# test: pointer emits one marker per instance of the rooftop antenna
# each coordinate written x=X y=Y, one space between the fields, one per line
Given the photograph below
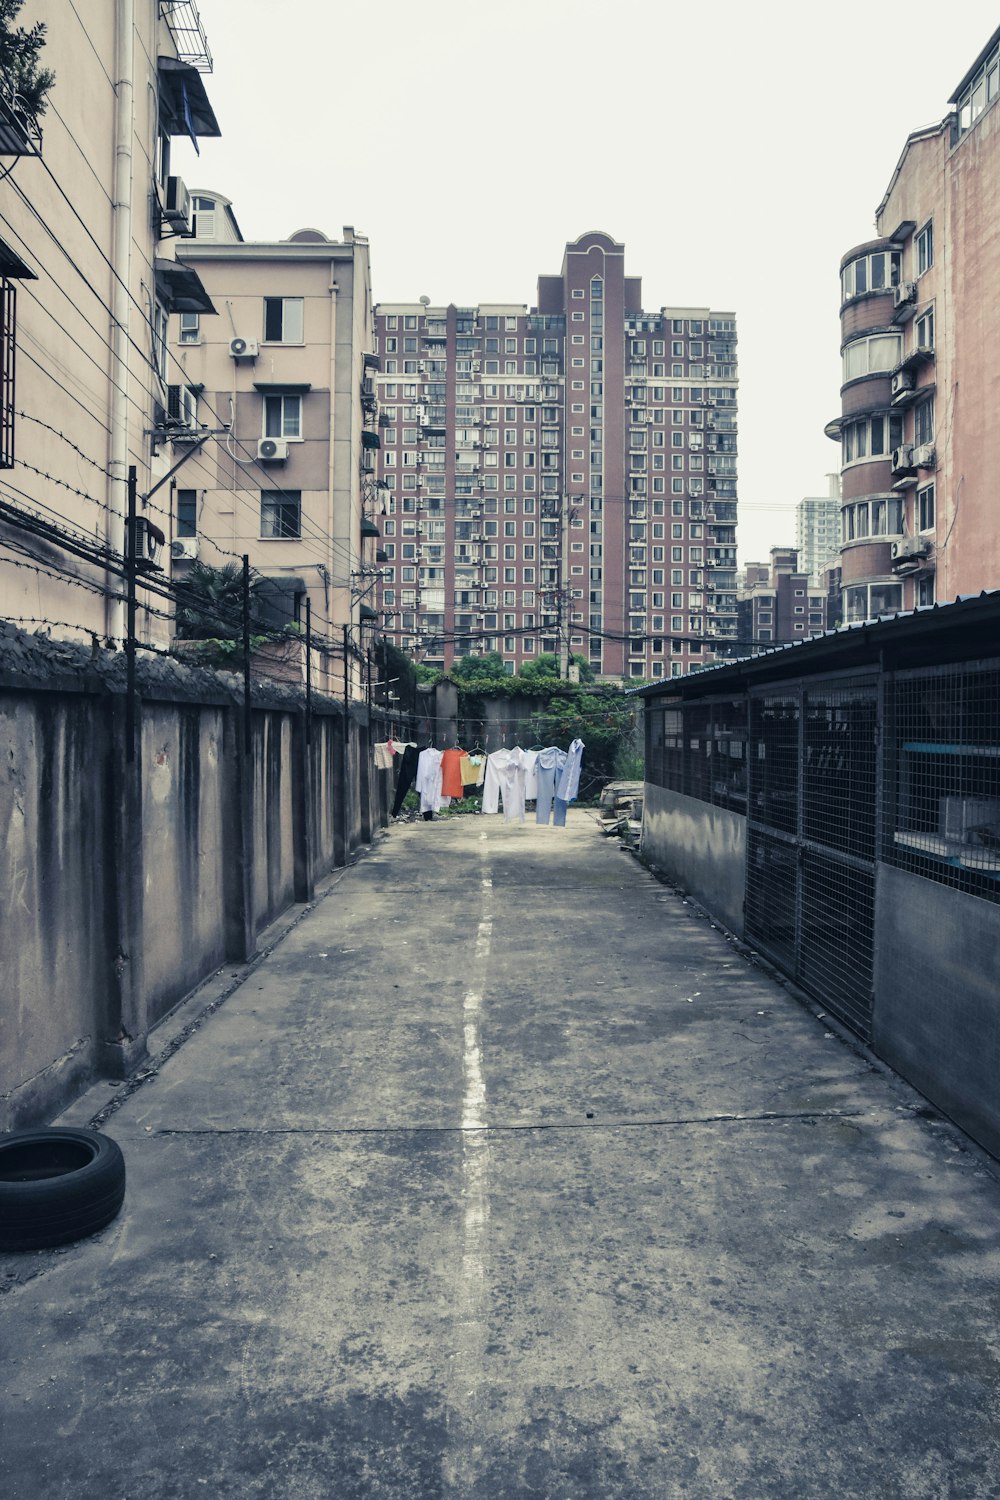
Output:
x=425 y=302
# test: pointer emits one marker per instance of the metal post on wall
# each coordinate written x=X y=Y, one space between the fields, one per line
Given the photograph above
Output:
x=247 y=740
x=308 y=670
x=347 y=670
x=345 y=743
x=130 y=571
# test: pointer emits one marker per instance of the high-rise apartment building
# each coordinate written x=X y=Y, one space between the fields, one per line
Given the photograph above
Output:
x=817 y=530
x=920 y=324
x=561 y=479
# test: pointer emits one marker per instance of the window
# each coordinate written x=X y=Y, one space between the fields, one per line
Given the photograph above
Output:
x=923 y=422
x=870 y=273
x=925 y=508
x=187 y=513
x=869 y=356
x=283 y=323
x=160 y=325
x=923 y=330
x=925 y=248
x=204 y=218
x=283 y=416
x=280 y=514
x=871 y=436
x=980 y=91
x=190 y=328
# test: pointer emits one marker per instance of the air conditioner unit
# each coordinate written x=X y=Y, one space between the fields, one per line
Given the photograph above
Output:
x=902 y=459
x=244 y=348
x=902 y=381
x=147 y=539
x=184 y=548
x=910 y=549
x=272 y=450
x=924 y=456
x=905 y=292
x=182 y=410
x=177 y=206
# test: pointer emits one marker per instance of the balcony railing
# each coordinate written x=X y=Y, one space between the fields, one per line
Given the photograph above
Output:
x=187 y=33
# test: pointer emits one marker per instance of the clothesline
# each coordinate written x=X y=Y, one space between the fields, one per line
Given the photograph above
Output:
x=541 y=713
x=547 y=776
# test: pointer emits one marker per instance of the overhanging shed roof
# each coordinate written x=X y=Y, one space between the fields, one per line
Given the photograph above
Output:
x=180 y=287
x=184 y=104
x=935 y=634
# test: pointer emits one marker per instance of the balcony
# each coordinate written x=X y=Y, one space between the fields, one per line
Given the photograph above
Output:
x=187 y=33
x=20 y=133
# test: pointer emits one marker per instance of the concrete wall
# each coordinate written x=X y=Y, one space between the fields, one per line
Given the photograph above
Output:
x=124 y=884
x=183 y=844
x=701 y=847
x=56 y=933
x=273 y=863
x=937 y=987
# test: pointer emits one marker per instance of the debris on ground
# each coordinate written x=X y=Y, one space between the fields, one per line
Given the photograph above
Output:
x=620 y=811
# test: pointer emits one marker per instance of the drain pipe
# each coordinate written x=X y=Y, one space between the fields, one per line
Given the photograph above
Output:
x=121 y=263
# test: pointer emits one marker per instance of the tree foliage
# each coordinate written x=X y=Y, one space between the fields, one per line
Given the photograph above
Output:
x=212 y=607
x=547 y=665
x=24 y=82
x=478 y=668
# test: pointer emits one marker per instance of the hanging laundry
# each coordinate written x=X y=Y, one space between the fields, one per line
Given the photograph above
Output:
x=511 y=776
x=383 y=755
x=407 y=776
x=428 y=782
x=549 y=765
x=472 y=769
x=569 y=782
x=452 y=779
x=530 y=775
x=504 y=779
x=495 y=762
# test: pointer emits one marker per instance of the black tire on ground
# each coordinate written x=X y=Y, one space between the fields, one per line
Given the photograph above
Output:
x=57 y=1183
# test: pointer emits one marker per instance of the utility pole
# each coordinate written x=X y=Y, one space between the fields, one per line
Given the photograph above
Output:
x=308 y=670
x=247 y=740
x=564 y=595
x=130 y=611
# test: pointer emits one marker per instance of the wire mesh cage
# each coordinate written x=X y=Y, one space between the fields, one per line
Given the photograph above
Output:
x=941 y=794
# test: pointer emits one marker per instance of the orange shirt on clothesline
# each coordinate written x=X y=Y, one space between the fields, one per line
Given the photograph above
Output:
x=451 y=772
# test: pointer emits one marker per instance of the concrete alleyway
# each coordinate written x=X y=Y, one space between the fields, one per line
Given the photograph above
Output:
x=505 y=1176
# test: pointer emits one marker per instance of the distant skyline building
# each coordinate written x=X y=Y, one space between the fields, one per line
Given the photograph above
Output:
x=561 y=479
x=778 y=603
x=817 y=530
x=920 y=326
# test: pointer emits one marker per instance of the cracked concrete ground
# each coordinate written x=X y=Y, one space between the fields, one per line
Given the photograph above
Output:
x=506 y=1175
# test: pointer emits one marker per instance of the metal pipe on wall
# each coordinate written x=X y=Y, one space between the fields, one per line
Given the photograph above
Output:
x=121 y=264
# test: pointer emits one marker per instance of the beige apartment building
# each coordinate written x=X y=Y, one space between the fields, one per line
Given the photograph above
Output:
x=920 y=321
x=286 y=369
x=91 y=217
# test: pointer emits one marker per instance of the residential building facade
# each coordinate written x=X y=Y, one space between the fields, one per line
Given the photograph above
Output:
x=561 y=479
x=284 y=376
x=779 y=602
x=91 y=220
x=920 y=319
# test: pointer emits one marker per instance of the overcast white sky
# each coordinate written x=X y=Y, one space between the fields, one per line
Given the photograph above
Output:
x=736 y=149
